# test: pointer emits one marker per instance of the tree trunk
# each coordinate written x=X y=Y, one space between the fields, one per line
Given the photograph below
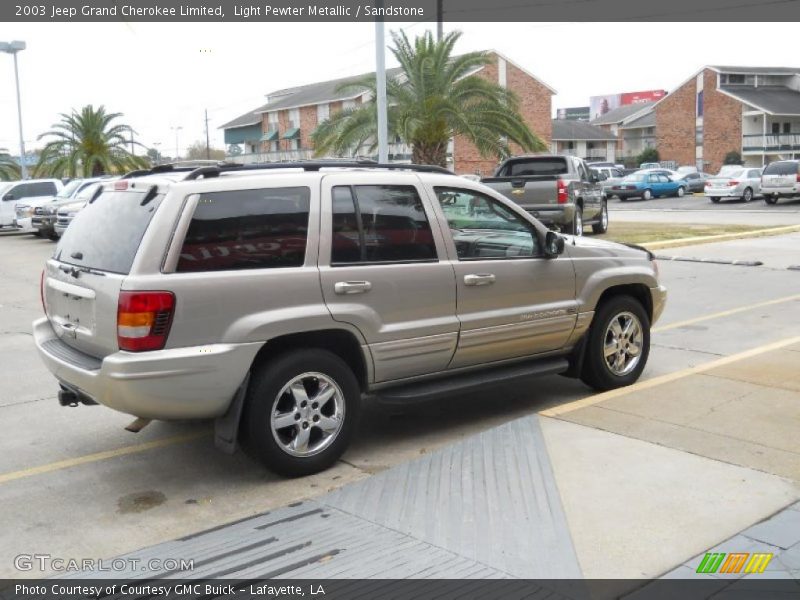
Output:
x=427 y=153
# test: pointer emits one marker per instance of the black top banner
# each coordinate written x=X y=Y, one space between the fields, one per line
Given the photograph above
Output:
x=399 y=10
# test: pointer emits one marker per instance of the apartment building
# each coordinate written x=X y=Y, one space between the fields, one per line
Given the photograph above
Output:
x=578 y=138
x=281 y=129
x=630 y=126
x=754 y=111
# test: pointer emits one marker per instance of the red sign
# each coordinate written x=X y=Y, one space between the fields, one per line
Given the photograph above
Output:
x=639 y=97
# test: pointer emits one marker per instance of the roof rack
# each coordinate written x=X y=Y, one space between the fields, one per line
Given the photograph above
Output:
x=214 y=170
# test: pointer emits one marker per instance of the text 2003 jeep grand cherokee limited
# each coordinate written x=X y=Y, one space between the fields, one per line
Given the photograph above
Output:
x=273 y=300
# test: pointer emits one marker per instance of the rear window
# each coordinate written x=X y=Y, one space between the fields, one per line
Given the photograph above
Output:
x=534 y=166
x=782 y=168
x=106 y=234
x=247 y=229
x=635 y=177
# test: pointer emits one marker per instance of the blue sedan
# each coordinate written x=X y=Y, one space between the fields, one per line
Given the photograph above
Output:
x=646 y=186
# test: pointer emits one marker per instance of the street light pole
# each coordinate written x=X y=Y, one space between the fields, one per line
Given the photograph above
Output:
x=176 y=129
x=13 y=48
x=380 y=81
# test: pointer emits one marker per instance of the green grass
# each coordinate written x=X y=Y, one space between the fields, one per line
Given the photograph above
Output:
x=642 y=233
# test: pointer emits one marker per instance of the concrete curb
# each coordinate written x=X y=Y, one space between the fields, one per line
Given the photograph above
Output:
x=721 y=237
x=715 y=261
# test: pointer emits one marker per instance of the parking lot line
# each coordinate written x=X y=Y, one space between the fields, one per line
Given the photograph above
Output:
x=98 y=456
x=668 y=378
x=725 y=313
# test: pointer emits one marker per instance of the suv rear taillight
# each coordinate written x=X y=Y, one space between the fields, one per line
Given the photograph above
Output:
x=563 y=194
x=143 y=320
x=41 y=291
x=798 y=178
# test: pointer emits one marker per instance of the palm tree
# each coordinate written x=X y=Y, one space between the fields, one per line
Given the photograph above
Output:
x=87 y=144
x=9 y=169
x=433 y=99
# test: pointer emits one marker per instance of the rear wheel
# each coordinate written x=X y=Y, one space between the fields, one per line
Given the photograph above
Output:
x=747 y=196
x=681 y=192
x=715 y=199
x=618 y=344
x=602 y=226
x=576 y=227
x=300 y=412
x=647 y=195
x=771 y=199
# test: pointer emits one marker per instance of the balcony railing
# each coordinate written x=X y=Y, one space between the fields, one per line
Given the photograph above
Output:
x=280 y=156
x=771 y=142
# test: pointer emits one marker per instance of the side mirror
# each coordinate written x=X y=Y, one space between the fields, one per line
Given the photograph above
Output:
x=553 y=244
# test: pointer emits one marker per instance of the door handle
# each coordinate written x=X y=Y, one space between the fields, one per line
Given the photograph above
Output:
x=352 y=287
x=479 y=279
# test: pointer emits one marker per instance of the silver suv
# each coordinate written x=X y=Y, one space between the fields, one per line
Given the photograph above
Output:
x=274 y=299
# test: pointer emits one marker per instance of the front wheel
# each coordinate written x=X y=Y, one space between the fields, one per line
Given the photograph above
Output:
x=715 y=199
x=602 y=226
x=647 y=195
x=681 y=192
x=618 y=344
x=771 y=199
x=300 y=412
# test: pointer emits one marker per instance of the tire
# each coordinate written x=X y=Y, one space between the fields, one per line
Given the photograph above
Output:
x=681 y=191
x=597 y=372
x=602 y=226
x=771 y=199
x=576 y=227
x=647 y=195
x=747 y=196
x=715 y=199
x=274 y=445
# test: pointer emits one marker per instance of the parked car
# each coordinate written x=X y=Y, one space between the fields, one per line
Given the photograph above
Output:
x=274 y=300
x=22 y=193
x=726 y=170
x=687 y=169
x=44 y=211
x=596 y=164
x=647 y=185
x=744 y=184
x=694 y=181
x=609 y=177
x=557 y=190
x=67 y=210
x=781 y=179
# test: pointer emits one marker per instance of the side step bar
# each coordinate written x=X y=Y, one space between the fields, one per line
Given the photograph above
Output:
x=469 y=382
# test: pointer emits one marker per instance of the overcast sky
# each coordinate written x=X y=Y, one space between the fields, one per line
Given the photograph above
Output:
x=164 y=75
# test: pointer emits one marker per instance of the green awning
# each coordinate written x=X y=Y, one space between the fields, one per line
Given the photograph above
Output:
x=292 y=133
x=270 y=136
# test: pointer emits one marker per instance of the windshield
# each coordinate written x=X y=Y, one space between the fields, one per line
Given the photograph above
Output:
x=69 y=189
x=105 y=235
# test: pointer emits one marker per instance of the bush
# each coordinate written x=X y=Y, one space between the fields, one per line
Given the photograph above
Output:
x=648 y=155
x=733 y=158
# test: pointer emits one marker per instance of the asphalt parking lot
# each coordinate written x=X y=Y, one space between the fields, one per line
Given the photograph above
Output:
x=74 y=483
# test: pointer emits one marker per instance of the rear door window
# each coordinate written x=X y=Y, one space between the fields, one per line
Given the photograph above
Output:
x=247 y=229
x=105 y=235
x=380 y=223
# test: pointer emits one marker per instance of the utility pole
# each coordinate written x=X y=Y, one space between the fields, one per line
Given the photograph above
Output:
x=13 y=48
x=439 y=20
x=133 y=147
x=208 y=146
x=380 y=81
x=176 y=130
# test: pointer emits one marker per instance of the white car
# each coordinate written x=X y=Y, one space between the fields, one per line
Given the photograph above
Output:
x=67 y=211
x=23 y=192
x=739 y=184
x=42 y=213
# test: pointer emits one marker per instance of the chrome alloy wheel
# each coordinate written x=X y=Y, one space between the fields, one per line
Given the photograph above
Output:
x=307 y=414
x=623 y=343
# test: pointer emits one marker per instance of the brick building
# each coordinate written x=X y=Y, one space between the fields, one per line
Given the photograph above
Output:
x=628 y=123
x=754 y=111
x=578 y=138
x=281 y=129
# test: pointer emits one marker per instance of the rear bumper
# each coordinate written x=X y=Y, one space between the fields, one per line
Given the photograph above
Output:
x=180 y=383
x=23 y=223
x=784 y=192
x=622 y=194
x=723 y=193
x=556 y=214
x=659 y=295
